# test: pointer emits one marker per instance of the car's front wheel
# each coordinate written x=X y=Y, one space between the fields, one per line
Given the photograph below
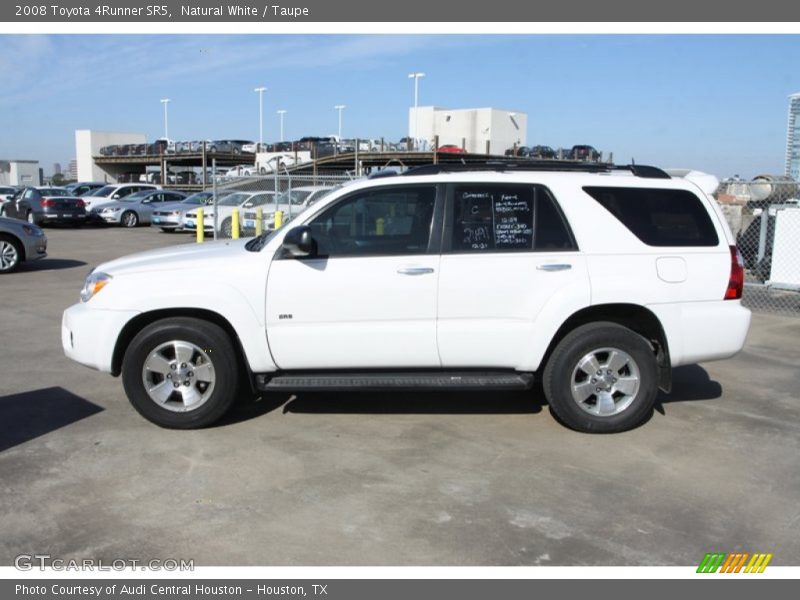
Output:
x=10 y=254
x=181 y=373
x=602 y=378
x=129 y=219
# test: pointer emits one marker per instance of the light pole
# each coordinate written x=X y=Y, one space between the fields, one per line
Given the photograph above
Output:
x=281 y=112
x=260 y=91
x=165 y=101
x=340 y=108
x=416 y=77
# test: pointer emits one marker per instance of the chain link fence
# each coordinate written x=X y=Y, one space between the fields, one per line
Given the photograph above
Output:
x=288 y=193
x=764 y=215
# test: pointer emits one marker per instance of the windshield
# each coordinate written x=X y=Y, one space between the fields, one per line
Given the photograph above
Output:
x=136 y=196
x=260 y=199
x=257 y=243
x=104 y=191
x=296 y=197
x=55 y=192
x=235 y=199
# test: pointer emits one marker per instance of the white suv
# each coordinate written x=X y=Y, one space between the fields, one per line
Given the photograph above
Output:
x=596 y=280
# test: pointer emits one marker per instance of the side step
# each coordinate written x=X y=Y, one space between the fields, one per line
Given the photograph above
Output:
x=374 y=381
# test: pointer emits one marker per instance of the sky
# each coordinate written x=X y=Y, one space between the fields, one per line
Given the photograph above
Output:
x=716 y=103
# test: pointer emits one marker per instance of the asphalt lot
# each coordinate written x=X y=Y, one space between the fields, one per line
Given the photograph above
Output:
x=383 y=479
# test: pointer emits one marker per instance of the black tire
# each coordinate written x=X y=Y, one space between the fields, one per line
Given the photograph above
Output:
x=129 y=219
x=11 y=254
x=168 y=230
x=219 y=351
x=562 y=370
x=226 y=229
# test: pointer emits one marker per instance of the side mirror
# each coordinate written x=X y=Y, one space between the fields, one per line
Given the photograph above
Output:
x=115 y=197
x=298 y=242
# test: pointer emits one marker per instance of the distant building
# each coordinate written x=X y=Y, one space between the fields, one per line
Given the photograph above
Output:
x=56 y=168
x=72 y=172
x=472 y=127
x=20 y=172
x=87 y=146
x=793 y=138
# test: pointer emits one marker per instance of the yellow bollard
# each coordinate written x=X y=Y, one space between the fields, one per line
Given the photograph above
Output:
x=379 y=225
x=201 y=231
x=259 y=219
x=235 y=224
x=278 y=219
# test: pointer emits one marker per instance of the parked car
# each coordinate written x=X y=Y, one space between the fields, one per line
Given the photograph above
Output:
x=451 y=149
x=115 y=192
x=111 y=150
x=241 y=171
x=594 y=285
x=82 y=188
x=161 y=146
x=227 y=146
x=169 y=217
x=130 y=177
x=135 y=209
x=20 y=241
x=6 y=193
x=518 y=151
x=225 y=206
x=584 y=153
x=45 y=204
x=290 y=203
x=544 y=152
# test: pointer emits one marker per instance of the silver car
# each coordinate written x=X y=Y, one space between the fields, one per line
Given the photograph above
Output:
x=136 y=208
x=169 y=217
x=20 y=241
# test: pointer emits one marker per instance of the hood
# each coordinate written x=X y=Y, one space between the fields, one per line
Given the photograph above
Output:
x=184 y=256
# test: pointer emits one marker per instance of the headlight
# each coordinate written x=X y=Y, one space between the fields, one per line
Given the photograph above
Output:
x=34 y=231
x=93 y=284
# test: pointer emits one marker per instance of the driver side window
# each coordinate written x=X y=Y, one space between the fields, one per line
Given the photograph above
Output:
x=379 y=222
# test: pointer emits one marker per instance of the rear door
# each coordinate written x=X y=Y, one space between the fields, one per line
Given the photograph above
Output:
x=368 y=298
x=508 y=252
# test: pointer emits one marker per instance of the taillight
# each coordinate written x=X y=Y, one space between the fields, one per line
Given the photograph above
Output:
x=48 y=202
x=80 y=204
x=736 y=281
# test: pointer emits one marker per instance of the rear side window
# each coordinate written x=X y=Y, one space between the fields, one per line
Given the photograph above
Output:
x=506 y=218
x=659 y=217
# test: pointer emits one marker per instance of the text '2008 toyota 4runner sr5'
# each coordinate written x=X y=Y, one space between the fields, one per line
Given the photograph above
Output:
x=596 y=279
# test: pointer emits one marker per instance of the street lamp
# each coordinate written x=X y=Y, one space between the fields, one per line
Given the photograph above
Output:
x=260 y=91
x=281 y=113
x=416 y=77
x=340 y=108
x=165 y=101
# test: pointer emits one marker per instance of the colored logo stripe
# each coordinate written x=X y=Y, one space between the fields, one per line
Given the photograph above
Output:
x=733 y=563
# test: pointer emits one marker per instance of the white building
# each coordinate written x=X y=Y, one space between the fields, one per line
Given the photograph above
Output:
x=20 y=172
x=88 y=144
x=471 y=127
x=793 y=138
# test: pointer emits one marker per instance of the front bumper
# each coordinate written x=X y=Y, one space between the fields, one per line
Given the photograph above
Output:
x=35 y=247
x=89 y=335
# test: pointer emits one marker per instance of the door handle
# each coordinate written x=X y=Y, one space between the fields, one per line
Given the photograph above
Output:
x=554 y=267
x=414 y=270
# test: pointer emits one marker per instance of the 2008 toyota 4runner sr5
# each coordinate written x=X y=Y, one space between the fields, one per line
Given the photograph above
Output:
x=596 y=279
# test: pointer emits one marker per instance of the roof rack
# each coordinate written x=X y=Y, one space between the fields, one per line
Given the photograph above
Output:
x=538 y=165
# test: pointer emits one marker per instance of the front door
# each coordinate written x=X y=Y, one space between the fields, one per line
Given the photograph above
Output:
x=368 y=297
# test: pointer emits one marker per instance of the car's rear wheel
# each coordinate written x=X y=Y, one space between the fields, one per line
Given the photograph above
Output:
x=181 y=373
x=10 y=254
x=602 y=378
x=129 y=219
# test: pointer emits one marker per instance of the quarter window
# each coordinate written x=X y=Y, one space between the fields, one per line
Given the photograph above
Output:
x=659 y=217
x=381 y=222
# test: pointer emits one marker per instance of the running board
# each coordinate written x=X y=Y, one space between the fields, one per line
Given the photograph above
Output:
x=374 y=381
